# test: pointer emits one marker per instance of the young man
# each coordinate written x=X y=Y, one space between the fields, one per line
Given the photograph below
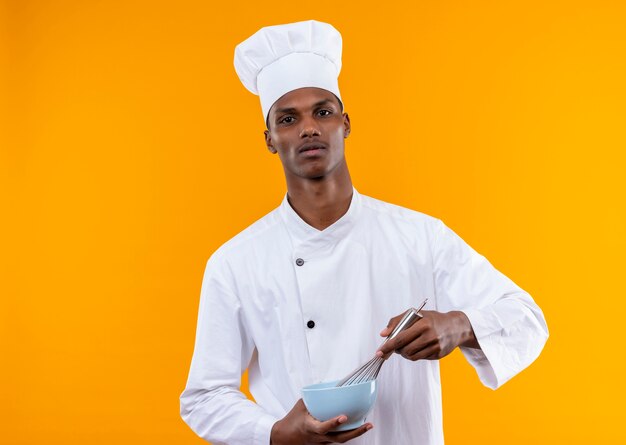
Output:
x=299 y=296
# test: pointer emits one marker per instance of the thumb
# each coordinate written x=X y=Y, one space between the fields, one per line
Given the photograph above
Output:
x=300 y=406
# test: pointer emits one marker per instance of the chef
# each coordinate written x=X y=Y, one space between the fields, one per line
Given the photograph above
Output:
x=301 y=295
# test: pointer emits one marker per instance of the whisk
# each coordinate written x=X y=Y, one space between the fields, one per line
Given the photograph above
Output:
x=369 y=371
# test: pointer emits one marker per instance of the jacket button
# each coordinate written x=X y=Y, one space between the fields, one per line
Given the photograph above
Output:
x=310 y=324
x=299 y=261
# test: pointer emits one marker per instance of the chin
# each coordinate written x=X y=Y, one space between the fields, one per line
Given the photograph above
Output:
x=314 y=176
x=314 y=173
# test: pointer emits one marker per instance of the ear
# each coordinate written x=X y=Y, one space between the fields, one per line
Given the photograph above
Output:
x=346 y=125
x=268 y=142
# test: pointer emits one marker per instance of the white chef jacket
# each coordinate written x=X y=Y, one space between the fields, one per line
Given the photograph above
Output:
x=263 y=289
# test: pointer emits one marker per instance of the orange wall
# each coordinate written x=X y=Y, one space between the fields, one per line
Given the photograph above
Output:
x=130 y=151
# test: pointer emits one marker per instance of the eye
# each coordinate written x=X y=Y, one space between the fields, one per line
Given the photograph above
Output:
x=326 y=112
x=286 y=120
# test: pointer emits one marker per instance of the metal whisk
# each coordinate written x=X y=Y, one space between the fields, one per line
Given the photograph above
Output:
x=369 y=371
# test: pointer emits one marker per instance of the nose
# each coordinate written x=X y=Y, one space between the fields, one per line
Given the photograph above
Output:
x=309 y=128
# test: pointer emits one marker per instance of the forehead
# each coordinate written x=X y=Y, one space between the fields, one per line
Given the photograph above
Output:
x=303 y=98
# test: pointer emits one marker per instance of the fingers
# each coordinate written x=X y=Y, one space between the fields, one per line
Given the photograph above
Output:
x=393 y=322
x=432 y=353
x=421 y=349
x=325 y=427
x=345 y=436
x=304 y=428
x=430 y=338
x=402 y=339
x=321 y=431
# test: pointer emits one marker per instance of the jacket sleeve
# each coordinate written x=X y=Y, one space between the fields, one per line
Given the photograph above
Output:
x=510 y=328
x=211 y=403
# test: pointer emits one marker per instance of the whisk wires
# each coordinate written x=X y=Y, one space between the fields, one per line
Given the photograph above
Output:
x=369 y=371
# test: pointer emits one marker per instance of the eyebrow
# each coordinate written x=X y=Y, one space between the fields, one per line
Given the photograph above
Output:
x=315 y=105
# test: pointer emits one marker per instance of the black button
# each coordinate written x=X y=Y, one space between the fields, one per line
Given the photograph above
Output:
x=310 y=324
x=299 y=261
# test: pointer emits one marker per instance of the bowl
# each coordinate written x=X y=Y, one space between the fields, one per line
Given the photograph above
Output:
x=325 y=401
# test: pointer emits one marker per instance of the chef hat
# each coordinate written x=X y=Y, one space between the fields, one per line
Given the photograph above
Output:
x=278 y=59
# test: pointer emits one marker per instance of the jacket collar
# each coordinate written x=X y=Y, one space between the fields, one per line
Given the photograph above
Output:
x=308 y=238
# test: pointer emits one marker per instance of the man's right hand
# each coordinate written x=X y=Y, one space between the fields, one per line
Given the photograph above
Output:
x=299 y=427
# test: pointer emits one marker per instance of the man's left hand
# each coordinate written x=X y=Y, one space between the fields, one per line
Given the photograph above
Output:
x=430 y=338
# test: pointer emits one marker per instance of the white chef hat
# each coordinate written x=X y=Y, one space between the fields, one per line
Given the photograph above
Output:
x=278 y=59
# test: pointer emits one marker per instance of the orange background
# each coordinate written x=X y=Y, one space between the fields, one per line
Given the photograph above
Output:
x=129 y=152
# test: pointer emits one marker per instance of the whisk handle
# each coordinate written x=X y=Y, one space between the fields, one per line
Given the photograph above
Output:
x=369 y=371
x=410 y=317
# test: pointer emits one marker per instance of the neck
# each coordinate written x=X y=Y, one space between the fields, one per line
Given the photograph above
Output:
x=320 y=202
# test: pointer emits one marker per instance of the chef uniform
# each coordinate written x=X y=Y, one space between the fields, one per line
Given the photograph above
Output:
x=296 y=305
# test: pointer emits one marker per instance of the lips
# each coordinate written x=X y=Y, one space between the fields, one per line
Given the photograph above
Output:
x=311 y=146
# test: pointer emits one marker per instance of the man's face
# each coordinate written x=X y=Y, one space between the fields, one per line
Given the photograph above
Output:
x=307 y=130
